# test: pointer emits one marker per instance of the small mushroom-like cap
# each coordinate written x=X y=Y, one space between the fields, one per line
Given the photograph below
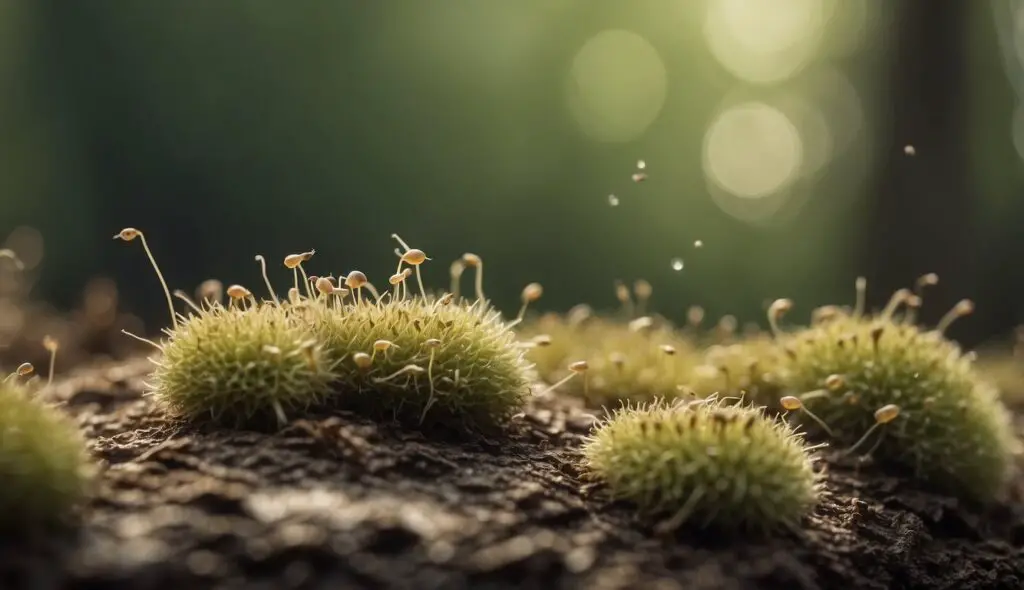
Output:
x=643 y=289
x=127 y=234
x=791 y=403
x=621 y=292
x=532 y=292
x=293 y=295
x=780 y=306
x=579 y=366
x=399 y=277
x=382 y=345
x=50 y=343
x=542 y=340
x=414 y=257
x=470 y=259
x=824 y=313
x=928 y=279
x=355 y=280
x=964 y=307
x=25 y=369
x=238 y=292
x=324 y=285
x=446 y=299
x=834 y=382
x=640 y=323
x=10 y=255
x=293 y=260
x=900 y=295
x=668 y=349
x=432 y=343
x=210 y=290
x=305 y=256
x=457 y=268
x=887 y=413
x=362 y=360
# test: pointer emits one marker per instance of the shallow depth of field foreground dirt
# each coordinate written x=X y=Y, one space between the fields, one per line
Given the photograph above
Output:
x=339 y=502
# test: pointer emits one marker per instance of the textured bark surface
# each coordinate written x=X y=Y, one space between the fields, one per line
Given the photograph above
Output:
x=340 y=502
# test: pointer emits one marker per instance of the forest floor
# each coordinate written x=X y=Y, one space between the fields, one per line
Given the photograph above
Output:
x=336 y=501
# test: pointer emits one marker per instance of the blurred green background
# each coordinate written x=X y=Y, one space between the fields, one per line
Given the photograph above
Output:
x=775 y=132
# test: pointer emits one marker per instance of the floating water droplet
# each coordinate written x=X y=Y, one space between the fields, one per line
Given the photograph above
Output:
x=698 y=244
x=613 y=200
x=641 y=164
x=909 y=150
x=639 y=177
x=677 y=264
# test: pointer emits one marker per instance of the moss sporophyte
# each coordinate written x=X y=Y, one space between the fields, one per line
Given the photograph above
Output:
x=905 y=392
x=639 y=357
x=418 y=358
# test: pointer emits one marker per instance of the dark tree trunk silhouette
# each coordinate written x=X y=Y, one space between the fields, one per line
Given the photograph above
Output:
x=922 y=215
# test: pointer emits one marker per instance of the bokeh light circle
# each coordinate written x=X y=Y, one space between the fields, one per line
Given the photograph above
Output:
x=765 y=41
x=617 y=86
x=832 y=92
x=752 y=150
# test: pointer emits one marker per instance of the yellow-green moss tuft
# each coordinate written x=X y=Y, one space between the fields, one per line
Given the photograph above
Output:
x=236 y=366
x=941 y=421
x=425 y=361
x=729 y=467
x=338 y=342
x=44 y=468
x=638 y=361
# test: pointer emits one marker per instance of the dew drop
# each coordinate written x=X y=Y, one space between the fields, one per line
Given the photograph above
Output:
x=639 y=177
x=698 y=244
x=613 y=200
x=677 y=264
x=909 y=150
x=641 y=164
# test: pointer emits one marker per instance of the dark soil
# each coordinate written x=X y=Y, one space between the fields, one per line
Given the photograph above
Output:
x=339 y=502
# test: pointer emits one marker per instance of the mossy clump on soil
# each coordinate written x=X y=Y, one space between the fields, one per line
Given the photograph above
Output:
x=419 y=359
x=750 y=367
x=725 y=466
x=645 y=357
x=233 y=365
x=425 y=360
x=639 y=360
x=903 y=393
x=45 y=471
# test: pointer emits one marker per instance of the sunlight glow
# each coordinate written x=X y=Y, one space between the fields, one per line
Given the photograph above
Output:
x=765 y=41
x=617 y=86
x=752 y=150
